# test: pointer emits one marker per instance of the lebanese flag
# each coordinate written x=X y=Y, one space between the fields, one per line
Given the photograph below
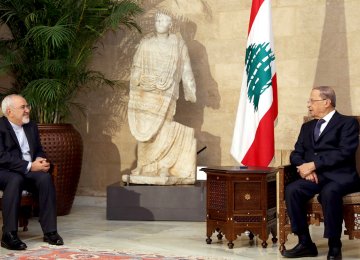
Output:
x=253 y=139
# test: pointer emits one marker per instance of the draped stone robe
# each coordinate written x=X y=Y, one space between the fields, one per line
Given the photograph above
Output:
x=165 y=148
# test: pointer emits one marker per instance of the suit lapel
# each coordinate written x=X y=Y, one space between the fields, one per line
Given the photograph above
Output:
x=11 y=131
x=29 y=138
x=333 y=121
x=312 y=128
x=27 y=130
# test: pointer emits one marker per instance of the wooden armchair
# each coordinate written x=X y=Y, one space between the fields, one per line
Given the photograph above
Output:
x=29 y=204
x=351 y=207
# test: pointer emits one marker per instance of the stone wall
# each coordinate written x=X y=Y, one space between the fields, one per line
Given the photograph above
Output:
x=317 y=42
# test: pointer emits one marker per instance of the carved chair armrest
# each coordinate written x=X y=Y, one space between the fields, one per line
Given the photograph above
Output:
x=53 y=170
x=287 y=174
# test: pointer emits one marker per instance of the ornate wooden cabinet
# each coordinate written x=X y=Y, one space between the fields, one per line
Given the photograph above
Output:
x=241 y=199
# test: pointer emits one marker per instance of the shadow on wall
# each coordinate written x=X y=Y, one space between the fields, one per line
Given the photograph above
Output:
x=104 y=118
x=207 y=94
x=187 y=113
x=333 y=64
x=106 y=114
x=114 y=57
x=125 y=42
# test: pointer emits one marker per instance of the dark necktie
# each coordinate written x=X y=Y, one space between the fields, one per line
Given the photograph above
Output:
x=317 y=129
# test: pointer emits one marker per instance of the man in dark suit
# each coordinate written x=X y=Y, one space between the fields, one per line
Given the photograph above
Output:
x=23 y=165
x=324 y=156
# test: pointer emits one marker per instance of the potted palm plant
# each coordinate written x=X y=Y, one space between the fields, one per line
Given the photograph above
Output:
x=48 y=56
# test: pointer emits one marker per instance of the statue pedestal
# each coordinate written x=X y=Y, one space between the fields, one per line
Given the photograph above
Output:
x=156 y=202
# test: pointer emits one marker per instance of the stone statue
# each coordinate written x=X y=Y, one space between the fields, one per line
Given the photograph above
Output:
x=166 y=149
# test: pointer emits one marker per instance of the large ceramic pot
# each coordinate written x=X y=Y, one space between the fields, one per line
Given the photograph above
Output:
x=63 y=146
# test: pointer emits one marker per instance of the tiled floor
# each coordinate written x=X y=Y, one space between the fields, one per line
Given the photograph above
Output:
x=87 y=227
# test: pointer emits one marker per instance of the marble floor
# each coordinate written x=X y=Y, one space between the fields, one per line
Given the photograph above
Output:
x=86 y=227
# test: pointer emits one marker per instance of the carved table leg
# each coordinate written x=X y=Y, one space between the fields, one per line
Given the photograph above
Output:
x=274 y=240
x=251 y=235
x=208 y=240
x=274 y=234
x=264 y=244
x=231 y=245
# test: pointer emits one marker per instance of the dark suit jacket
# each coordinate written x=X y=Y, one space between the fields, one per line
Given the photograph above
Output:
x=334 y=152
x=10 y=151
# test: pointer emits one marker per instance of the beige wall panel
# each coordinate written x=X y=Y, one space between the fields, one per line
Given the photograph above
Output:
x=308 y=68
x=355 y=99
x=287 y=126
x=229 y=74
x=354 y=72
x=308 y=44
x=225 y=50
x=316 y=43
x=293 y=100
x=230 y=24
x=353 y=47
x=230 y=98
x=291 y=77
x=231 y=5
x=296 y=3
x=352 y=14
x=284 y=18
x=310 y=18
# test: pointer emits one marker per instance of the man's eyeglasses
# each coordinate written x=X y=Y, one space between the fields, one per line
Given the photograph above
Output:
x=311 y=101
x=23 y=107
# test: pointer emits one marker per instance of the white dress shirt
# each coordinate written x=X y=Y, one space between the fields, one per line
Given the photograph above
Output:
x=24 y=144
x=327 y=119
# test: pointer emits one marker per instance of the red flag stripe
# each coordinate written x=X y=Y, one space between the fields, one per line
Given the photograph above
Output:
x=275 y=96
x=254 y=10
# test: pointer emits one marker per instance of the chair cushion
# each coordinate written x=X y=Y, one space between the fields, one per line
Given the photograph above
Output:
x=352 y=198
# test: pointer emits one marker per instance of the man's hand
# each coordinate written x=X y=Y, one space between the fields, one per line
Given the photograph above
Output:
x=312 y=177
x=306 y=169
x=40 y=165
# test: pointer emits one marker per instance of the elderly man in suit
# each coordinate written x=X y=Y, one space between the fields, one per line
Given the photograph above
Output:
x=324 y=156
x=23 y=166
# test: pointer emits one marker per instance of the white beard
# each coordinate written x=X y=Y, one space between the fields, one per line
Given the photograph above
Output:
x=25 y=120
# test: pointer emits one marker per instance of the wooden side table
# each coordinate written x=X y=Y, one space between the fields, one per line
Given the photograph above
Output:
x=241 y=199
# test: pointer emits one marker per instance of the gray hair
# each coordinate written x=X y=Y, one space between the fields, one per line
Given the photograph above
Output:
x=7 y=102
x=327 y=92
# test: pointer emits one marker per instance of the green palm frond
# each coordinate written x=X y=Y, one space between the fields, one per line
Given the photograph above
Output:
x=53 y=42
x=52 y=67
x=50 y=93
x=56 y=36
x=119 y=15
x=45 y=89
x=9 y=9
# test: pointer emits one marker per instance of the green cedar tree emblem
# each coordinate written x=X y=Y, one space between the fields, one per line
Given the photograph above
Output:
x=257 y=60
